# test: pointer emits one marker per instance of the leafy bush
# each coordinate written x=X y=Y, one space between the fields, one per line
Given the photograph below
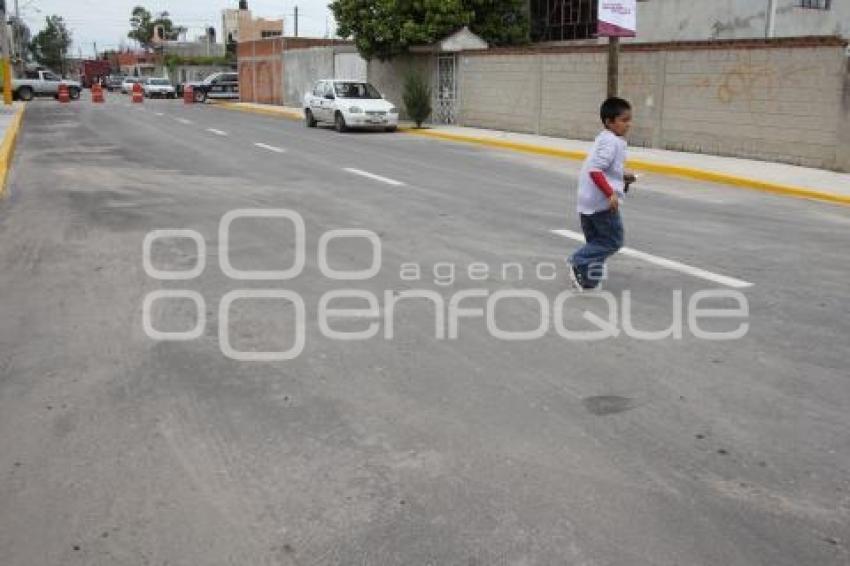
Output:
x=417 y=98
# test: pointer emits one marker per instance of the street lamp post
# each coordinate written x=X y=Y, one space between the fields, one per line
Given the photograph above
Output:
x=613 y=66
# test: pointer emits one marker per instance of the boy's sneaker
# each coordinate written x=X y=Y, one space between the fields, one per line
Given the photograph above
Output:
x=576 y=277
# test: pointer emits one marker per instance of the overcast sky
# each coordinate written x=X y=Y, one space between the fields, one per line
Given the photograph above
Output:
x=107 y=21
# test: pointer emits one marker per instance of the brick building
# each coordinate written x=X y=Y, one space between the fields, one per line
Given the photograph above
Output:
x=239 y=25
x=261 y=66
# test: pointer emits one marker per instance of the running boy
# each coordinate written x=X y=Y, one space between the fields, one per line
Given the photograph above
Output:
x=603 y=181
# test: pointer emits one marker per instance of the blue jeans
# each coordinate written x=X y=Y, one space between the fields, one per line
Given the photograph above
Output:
x=603 y=233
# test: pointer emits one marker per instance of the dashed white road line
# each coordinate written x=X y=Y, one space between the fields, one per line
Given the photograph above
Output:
x=184 y=121
x=270 y=147
x=374 y=177
x=668 y=264
x=160 y=114
x=217 y=132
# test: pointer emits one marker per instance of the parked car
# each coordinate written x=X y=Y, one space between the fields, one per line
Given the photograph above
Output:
x=349 y=104
x=219 y=86
x=114 y=82
x=43 y=83
x=127 y=85
x=158 y=88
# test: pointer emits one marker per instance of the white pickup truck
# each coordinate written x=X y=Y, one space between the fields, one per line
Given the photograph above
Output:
x=43 y=83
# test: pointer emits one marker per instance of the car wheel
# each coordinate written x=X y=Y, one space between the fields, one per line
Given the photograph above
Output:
x=25 y=93
x=200 y=96
x=308 y=118
x=391 y=129
x=339 y=123
x=74 y=93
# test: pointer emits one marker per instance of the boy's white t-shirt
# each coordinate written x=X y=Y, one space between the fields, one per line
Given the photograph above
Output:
x=608 y=155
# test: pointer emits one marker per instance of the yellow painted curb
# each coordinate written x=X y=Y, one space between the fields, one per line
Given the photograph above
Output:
x=272 y=111
x=649 y=166
x=7 y=148
x=637 y=164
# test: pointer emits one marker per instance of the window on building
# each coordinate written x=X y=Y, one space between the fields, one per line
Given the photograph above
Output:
x=814 y=4
x=266 y=34
x=563 y=20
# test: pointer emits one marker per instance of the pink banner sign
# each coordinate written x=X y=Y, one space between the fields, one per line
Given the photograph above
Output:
x=617 y=18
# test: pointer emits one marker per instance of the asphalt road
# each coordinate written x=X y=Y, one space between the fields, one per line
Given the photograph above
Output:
x=116 y=448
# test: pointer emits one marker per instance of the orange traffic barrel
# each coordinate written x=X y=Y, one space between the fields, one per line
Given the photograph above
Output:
x=138 y=95
x=97 y=93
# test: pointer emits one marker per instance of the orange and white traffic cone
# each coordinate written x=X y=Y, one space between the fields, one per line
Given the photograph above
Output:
x=97 y=94
x=138 y=95
x=64 y=94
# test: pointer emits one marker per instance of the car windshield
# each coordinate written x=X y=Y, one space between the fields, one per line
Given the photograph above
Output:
x=356 y=90
x=160 y=82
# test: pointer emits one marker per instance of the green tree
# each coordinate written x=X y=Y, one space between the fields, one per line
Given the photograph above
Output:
x=143 y=25
x=500 y=22
x=51 y=44
x=417 y=98
x=385 y=28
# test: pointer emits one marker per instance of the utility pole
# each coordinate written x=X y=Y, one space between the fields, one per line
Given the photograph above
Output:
x=296 y=21
x=19 y=40
x=7 y=67
x=770 y=29
x=613 y=66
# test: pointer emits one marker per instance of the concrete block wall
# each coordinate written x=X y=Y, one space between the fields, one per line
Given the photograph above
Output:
x=782 y=100
x=389 y=76
x=501 y=92
x=303 y=67
x=571 y=85
x=776 y=104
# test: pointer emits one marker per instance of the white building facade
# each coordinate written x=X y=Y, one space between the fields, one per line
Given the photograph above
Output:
x=696 y=20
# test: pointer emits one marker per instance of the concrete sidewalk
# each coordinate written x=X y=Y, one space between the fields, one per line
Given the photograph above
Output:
x=10 y=124
x=778 y=178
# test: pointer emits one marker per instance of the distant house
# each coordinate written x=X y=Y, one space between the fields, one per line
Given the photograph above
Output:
x=240 y=25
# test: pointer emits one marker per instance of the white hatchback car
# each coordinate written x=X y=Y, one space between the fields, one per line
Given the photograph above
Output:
x=349 y=104
x=127 y=85
x=161 y=88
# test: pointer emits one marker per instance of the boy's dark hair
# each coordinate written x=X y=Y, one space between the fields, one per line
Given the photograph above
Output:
x=613 y=108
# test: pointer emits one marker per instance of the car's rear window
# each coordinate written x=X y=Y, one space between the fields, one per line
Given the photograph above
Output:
x=356 y=90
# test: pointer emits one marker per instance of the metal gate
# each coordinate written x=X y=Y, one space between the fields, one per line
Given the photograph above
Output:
x=446 y=95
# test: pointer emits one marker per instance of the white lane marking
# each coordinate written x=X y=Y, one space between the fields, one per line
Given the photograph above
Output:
x=184 y=121
x=270 y=147
x=668 y=264
x=160 y=114
x=216 y=132
x=374 y=177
